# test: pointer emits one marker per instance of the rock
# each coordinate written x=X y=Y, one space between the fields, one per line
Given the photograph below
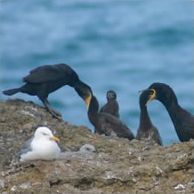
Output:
x=90 y=163
x=179 y=187
x=2 y=184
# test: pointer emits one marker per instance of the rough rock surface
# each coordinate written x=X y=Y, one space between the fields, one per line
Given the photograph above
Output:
x=118 y=165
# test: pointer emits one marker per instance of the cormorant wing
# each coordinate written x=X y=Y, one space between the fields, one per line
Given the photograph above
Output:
x=188 y=126
x=49 y=73
x=111 y=108
x=110 y=123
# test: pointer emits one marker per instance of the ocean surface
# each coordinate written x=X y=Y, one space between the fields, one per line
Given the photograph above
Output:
x=124 y=45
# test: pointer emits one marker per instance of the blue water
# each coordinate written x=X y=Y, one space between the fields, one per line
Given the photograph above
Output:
x=123 y=45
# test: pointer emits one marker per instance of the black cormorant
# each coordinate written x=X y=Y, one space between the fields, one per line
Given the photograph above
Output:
x=183 y=120
x=104 y=123
x=112 y=106
x=146 y=129
x=44 y=80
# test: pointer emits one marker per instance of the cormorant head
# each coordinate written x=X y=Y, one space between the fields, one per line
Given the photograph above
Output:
x=111 y=95
x=162 y=92
x=146 y=96
x=84 y=91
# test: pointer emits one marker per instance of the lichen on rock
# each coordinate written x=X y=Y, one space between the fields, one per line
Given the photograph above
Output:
x=116 y=166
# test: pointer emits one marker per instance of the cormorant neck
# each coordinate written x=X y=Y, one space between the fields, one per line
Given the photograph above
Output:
x=82 y=89
x=93 y=110
x=111 y=100
x=74 y=81
x=175 y=111
x=172 y=107
x=145 y=122
x=79 y=84
x=177 y=115
x=169 y=100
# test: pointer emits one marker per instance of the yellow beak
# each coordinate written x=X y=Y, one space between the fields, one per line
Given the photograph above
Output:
x=87 y=100
x=152 y=96
x=54 y=138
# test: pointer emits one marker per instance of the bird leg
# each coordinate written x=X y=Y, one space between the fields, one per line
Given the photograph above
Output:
x=54 y=113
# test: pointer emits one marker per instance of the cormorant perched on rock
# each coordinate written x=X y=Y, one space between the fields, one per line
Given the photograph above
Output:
x=104 y=123
x=112 y=106
x=146 y=129
x=183 y=120
x=44 y=80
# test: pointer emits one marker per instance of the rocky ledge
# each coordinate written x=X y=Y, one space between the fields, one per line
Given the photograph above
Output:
x=117 y=166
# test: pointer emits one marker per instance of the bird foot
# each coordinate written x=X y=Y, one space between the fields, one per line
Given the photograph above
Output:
x=56 y=115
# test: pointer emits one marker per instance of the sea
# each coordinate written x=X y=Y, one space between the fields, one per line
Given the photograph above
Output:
x=123 y=45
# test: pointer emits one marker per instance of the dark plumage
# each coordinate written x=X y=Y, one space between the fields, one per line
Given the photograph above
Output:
x=146 y=129
x=105 y=123
x=85 y=92
x=112 y=106
x=44 y=80
x=183 y=121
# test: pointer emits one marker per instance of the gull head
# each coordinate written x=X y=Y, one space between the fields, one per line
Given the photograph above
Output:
x=45 y=133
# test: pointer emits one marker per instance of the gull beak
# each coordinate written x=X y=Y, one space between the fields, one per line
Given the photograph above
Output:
x=151 y=96
x=54 y=138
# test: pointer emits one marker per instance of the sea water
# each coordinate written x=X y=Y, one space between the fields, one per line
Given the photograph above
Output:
x=124 y=45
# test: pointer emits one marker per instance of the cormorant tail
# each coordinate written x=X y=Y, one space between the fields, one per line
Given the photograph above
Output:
x=11 y=91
